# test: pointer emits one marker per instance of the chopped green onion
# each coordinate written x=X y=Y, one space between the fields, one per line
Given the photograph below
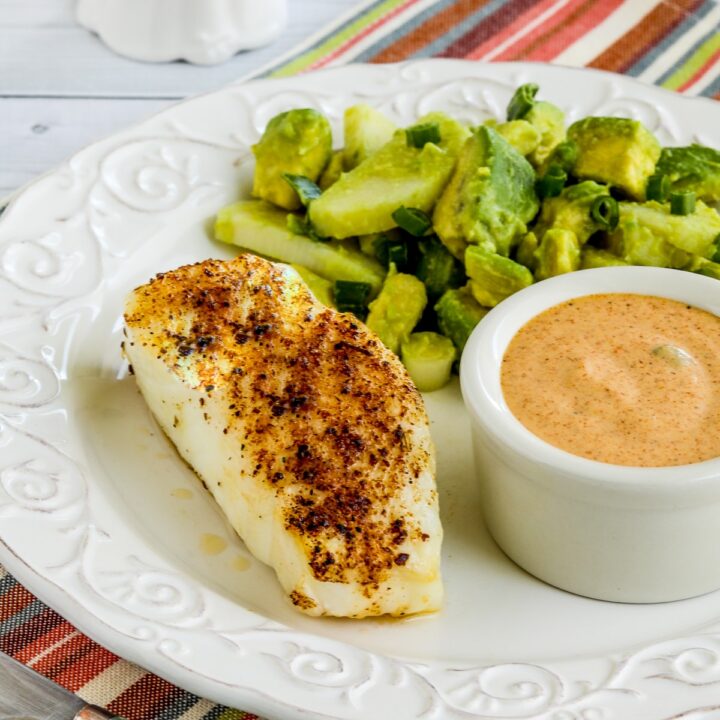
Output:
x=392 y=251
x=418 y=135
x=682 y=203
x=348 y=292
x=397 y=253
x=412 y=220
x=522 y=101
x=658 y=188
x=359 y=311
x=551 y=183
x=604 y=212
x=306 y=189
x=565 y=155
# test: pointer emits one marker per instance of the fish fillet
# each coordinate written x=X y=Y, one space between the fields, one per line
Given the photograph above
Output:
x=304 y=427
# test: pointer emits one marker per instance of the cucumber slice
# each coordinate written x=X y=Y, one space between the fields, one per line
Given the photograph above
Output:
x=366 y=131
x=428 y=358
x=261 y=228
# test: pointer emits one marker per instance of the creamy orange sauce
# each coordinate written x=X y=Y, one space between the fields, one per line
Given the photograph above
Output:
x=620 y=378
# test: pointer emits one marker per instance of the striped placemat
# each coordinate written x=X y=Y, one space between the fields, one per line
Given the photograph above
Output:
x=672 y=43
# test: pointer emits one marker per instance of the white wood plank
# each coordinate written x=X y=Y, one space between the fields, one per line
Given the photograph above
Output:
x=38 y=134
x=61 y=88
x=51 y=56
x=36 y=13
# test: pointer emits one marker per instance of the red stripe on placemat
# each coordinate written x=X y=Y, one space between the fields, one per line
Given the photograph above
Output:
x=700 y=72
x=43 y=642
x=22 y=636
x=14 y=601
x=429 y=31
x=495 y=27
x=650 y=31
x=59 y=659
x=96 y=660
x=577 y=24
x=141 y=698
x=559 y=31
x=361 y=36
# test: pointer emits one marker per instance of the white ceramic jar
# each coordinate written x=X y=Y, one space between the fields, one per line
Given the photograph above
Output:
x=199 y=31
x=629 y=534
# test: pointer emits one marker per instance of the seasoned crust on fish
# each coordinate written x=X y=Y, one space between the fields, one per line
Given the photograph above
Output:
x=327 y=467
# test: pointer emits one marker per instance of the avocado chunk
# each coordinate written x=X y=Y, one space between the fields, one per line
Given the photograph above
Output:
x=490 y=197
x=649 y=234
x=321 y=288
x=366 y=131
x=591 y=257
x=428 y=358
x=494 y=277
x=525 y=252
x=262 y=228
x=703 y=266
x=298 y=142
x=571 y=210
x=522 y=135
x=362 y=201
x=437 y=268
x=457 y=314
x=558 y=253
x=549 y=121
x=694 y=168
x=397 y=309
x=616 y=151
x=333 y=170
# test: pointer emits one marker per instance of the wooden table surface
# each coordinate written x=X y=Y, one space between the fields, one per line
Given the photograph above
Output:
x=61 y=88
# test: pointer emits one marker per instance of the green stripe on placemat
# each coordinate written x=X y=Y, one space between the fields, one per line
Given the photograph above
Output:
x=696 y=61
x=331 y=40
x=636 y=44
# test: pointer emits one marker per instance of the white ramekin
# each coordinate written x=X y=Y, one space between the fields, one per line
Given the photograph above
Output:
x=629 y=534
x=204 y=32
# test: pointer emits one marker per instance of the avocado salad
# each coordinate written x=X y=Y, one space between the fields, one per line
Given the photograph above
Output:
x=421 y=231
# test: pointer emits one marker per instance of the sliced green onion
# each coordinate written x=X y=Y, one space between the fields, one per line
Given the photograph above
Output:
x=306 y=189
x=522 y=101
x=565 y=155
x=412 y=220
x=658 y=188
x=682 y=203
x=605 y=212
x=551 y=183
x=348 y=292
x=359 y=311
x=397 y=253
x=418 y=135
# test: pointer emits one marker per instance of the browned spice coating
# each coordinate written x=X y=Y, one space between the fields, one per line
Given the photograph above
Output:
x=322 y=406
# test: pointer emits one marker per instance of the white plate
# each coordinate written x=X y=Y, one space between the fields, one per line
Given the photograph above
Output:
x=101 y=520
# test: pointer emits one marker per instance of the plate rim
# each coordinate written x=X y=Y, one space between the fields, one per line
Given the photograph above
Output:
x=73 y=610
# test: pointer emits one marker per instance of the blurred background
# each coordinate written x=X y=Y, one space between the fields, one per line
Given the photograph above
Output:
x=61 y=87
